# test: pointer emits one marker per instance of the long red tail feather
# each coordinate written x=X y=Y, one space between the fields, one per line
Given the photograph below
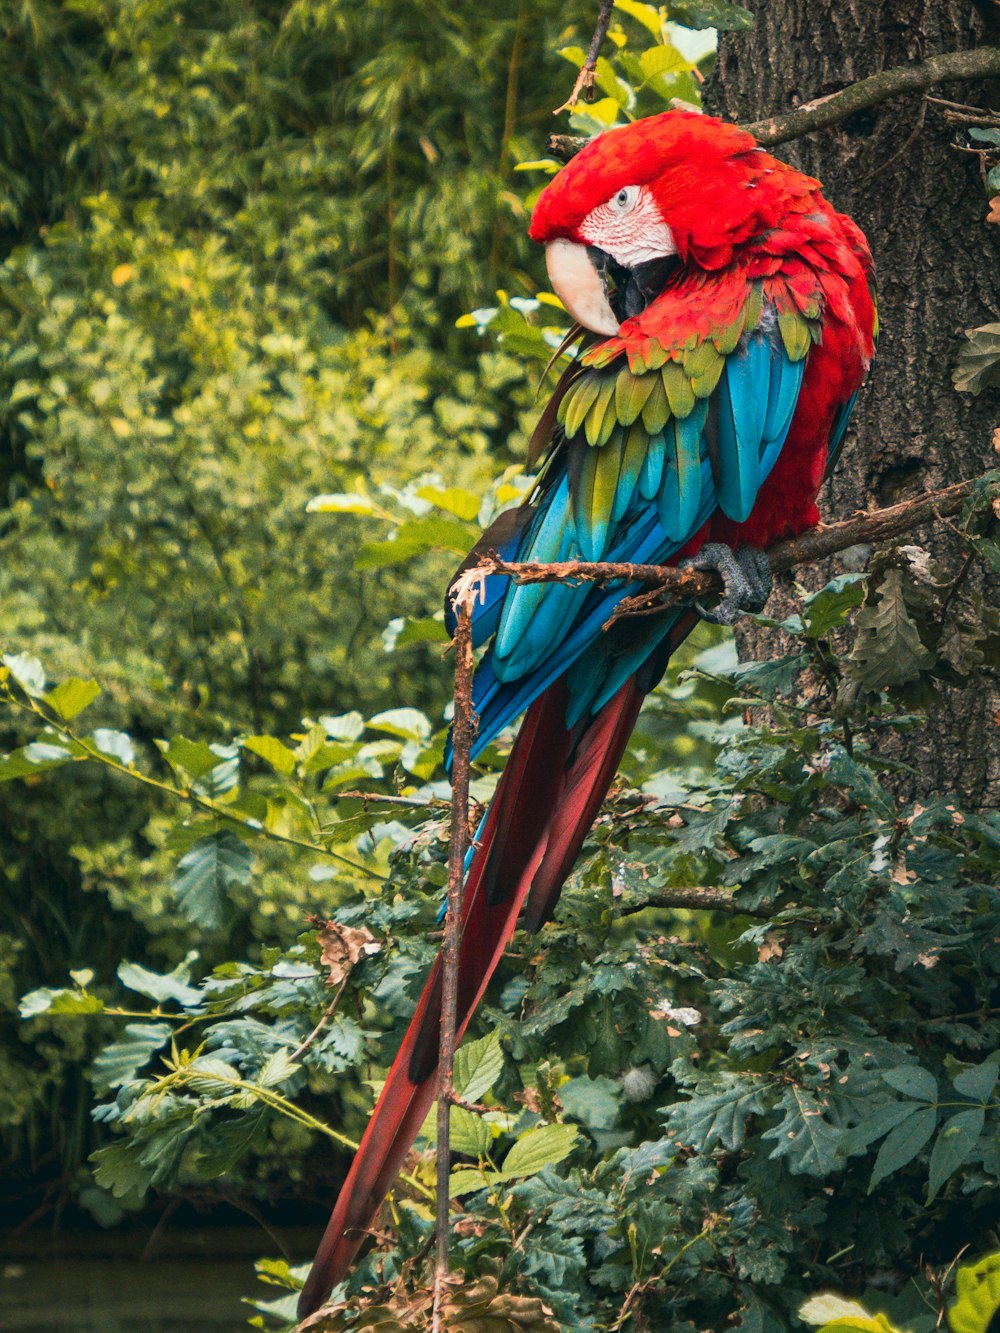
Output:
x=544 y=806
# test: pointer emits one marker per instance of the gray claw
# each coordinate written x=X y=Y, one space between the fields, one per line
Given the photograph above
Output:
x=746 y=579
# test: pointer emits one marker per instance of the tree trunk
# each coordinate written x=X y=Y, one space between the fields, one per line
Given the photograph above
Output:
x=923 y=207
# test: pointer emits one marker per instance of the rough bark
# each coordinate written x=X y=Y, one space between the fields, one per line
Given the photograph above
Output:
x=923 y=208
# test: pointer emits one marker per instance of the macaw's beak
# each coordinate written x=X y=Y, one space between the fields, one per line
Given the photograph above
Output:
x=598 y=291
x=580 y=285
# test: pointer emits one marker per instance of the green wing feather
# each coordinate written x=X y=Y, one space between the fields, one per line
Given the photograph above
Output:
x=638 y=423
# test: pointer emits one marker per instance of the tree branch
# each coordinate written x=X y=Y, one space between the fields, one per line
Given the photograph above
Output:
x=668 y=584
x=696 y=900
x=952 y=67
x=463 y=729
x=585 y=78
x=820 y=114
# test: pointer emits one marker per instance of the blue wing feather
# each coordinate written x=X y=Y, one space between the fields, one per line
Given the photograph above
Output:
x=545 y=631
x=743 y=396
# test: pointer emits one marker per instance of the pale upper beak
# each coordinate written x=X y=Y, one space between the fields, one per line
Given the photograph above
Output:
x=579 y=286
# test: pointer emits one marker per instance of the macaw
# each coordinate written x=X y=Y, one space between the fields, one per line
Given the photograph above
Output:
x=731 y=318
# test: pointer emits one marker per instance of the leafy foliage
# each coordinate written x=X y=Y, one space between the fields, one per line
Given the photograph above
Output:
x=234 y=351
x=693 y=1118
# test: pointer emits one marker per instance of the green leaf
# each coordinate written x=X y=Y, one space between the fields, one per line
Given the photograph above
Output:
x=913 y=1081
x=903 y=1144
x=46 y=1000
x=470 y=1135
x=957 y=1139
x=205 y=876
x=828 y=609
x=979 y=360
x=273 y=752
x=538 y=1148
x=277 y=1069
x=117 y=744
x=463 y=504
x=820 y=1309
x=835 y=1313
x=662 y=60
x=978 y=1288
x=978 y=1081
x=383 y=555
x=409 y=723
x=193 y=757
x=342 y=727
x=711 y=14
x=478 y=1065
x=592 y=1101
x=119 y=1168
x=32 y=760
x=400 y=632
x=805 y=1138
x=117 y=1063
x=160 y=986
x=341 y=504
x=648 y=15
x=875 y=1125
x=888 y=650
x=414 y=538
x=439 y=534
x=27 y=671
x=72 y=697
x=719 y=1117
x=466 y=1180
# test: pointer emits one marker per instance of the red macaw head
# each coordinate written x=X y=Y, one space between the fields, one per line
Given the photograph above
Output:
x=678 y=186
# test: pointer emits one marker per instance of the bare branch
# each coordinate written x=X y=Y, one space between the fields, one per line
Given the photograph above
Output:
x=694 y=899
x=585 y=79
x=463 y=728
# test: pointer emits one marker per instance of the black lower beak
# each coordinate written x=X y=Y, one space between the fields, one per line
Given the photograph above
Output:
x=630 y=290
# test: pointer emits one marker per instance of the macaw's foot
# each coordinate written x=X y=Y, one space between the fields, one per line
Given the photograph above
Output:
x=746 y=579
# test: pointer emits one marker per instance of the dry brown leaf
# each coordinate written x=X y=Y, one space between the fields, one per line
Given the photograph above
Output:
x=994 y=214
x=769 y=948
x=479 y=1307
x=342 y=947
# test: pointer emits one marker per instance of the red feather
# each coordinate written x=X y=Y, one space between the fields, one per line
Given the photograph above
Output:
x=544 y=806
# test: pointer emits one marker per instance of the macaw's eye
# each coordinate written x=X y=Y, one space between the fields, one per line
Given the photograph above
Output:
x=625 y=199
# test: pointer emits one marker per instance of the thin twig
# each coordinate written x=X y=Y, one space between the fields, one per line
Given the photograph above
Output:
x=669 y=584
x=379 y=798
x=475 y=1108
x=585 y=79
x=328 y=1013
x=820 y=114
x=462 y=733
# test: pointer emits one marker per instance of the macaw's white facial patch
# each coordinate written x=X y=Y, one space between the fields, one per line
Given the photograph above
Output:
x=579 y=286
x=629 y=228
